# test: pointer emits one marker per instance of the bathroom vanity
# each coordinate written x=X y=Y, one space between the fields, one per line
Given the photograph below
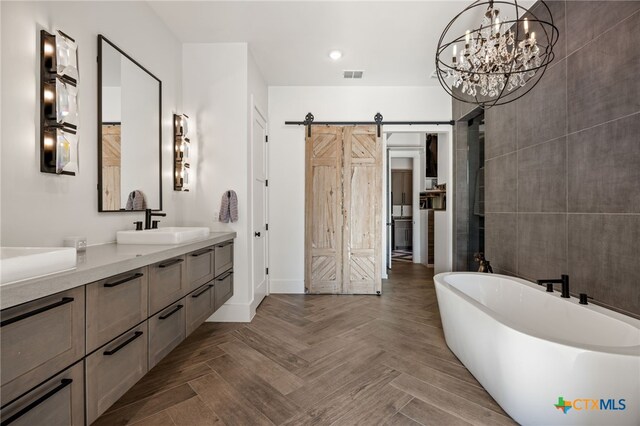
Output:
x=75 y=342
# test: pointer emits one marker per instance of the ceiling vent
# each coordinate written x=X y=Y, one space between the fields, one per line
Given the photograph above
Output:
x=353 y=74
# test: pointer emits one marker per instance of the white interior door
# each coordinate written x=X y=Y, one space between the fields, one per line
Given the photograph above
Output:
x=259 y=213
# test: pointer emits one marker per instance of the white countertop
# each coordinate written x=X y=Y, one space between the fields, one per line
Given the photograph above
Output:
x=100 y=262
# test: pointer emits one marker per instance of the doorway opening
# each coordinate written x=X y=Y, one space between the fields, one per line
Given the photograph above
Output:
x=424 y=154
x=401 y=209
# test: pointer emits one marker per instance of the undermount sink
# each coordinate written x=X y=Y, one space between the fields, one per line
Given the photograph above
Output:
x=22 y=263
x=169 y=235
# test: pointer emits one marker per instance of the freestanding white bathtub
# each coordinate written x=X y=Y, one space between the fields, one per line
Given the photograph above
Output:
x=528 y=348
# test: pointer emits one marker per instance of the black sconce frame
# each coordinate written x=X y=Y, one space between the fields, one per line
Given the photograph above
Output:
x=48 y=122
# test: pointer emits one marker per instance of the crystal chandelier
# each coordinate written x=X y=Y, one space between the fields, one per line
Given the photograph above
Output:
x=502 y=59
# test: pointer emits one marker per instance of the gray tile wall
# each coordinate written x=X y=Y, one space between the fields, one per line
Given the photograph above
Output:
x=563 y=162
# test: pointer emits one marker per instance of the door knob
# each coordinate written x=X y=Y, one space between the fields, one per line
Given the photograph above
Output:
x=257 y=234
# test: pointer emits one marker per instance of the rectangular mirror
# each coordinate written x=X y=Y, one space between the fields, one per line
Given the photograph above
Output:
x=129 y=133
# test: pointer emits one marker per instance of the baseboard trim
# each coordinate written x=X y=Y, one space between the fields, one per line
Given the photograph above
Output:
x=233 y=312
x=286 y=286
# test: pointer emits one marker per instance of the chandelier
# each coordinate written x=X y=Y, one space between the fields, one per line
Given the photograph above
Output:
x=502 y=59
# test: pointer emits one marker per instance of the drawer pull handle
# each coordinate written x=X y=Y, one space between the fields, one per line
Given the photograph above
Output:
x=124 y=280
x=204 y=290
x=63 y=384
x=224 y=244
x=200 y=253
x=170 y=263
x=171 y=313
x=225 y=276
x=64 y=301
x=123 y=344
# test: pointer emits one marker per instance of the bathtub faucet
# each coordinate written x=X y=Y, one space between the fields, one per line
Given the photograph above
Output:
x=565 y=285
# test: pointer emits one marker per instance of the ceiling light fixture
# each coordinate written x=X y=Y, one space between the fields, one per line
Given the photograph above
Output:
x=335 y=55
x=501 y=60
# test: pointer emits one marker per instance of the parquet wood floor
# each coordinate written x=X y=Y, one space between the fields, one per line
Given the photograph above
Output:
x=303 y=360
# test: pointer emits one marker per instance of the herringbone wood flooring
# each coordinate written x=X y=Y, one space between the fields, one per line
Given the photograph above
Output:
x=317 y=360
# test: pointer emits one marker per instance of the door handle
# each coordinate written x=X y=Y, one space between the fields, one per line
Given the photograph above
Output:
x=123 y=344
x=257 y=234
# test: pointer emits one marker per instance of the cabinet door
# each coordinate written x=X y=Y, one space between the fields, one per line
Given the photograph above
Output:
x=166 y=330
x=223 y=289
x=39 y=339
x=224 y=257
x=167 y=283
x=407 y=185
x=114 y=305
x=199 y=306
x=200 y=267
x=113 y=369
x=397 y=187
x=58 y=401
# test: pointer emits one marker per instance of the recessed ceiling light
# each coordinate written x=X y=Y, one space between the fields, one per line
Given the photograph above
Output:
x=335 y=55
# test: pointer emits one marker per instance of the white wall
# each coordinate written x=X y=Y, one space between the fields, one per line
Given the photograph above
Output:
x=286 y=151
x=40 y=209
x=218 y=83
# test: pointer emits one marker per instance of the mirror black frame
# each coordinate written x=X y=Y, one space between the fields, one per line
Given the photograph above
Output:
x=102 y=38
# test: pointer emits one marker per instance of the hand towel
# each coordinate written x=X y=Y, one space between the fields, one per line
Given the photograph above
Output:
x=229 y=207
x=136 y=201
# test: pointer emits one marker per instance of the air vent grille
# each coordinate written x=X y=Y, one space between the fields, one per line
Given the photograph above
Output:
x=353 y=74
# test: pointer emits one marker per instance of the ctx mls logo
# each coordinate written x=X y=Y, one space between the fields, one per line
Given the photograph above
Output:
x=588 y=404
x=563 y=405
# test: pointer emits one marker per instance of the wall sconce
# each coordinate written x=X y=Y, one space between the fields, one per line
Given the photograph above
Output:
x=181 y=152
x=58 y=104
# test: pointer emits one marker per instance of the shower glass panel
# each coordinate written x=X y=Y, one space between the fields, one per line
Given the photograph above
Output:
x=476 y=189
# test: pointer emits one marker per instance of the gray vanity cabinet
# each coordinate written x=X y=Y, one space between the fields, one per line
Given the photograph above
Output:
x=200 y=267
x=166 y=330
x=58 y=401
x=199 y=306
x=223 y=257
x=39 y=339
x=68 y=357
x=167 y=283
x=114 y=368
x=114 y=305
x=223 y=289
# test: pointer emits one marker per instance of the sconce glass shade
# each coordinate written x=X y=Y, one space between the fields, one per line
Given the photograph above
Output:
x=182 y=152
x=66 y=56
x=66 y=103
x=66 y=152
x=181 y=125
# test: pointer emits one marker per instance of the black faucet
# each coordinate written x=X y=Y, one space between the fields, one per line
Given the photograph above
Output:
x=565 y=285
x=147 y=218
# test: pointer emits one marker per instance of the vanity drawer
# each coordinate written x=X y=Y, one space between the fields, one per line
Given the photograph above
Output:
x=114 y=368
x=58 y=401
x=200 y=306
x=167 y=283
x=224 y=257
x=200 y=266
x=40 y=339
x=166 y=331
x=223 y=289
x=114 y=305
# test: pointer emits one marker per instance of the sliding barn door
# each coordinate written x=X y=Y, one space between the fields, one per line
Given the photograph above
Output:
x=343 y=210
x=362 y=183
x=323 y=210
